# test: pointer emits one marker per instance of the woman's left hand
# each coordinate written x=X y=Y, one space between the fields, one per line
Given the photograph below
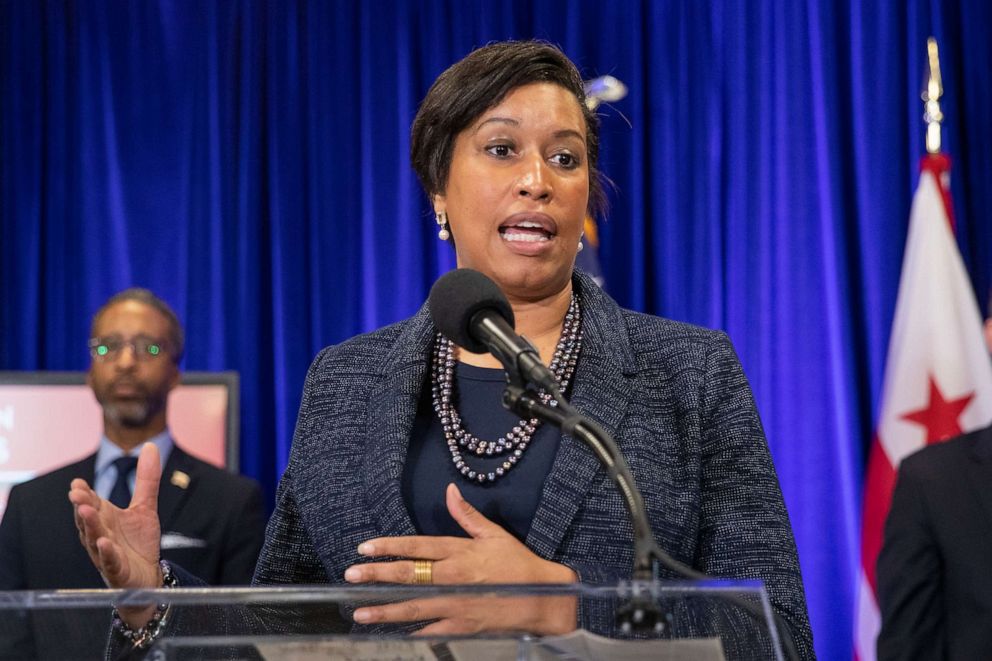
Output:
x=490 y=555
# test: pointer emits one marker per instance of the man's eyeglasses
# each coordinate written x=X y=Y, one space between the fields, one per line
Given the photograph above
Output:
x=106 y=349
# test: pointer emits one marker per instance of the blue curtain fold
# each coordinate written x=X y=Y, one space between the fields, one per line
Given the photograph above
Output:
x=248 y=161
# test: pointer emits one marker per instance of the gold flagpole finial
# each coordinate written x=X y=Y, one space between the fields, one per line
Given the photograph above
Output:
x=931 y=99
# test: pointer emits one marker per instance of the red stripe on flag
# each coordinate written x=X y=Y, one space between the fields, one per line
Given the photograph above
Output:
x=939 y=165
x=880 y=482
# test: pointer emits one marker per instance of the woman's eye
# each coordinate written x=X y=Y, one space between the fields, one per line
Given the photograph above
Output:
x=502 y=151
x=565 y=160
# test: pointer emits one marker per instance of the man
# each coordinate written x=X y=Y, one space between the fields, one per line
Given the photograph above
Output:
x=934 y=583
x=934 y=587
x=212 y=521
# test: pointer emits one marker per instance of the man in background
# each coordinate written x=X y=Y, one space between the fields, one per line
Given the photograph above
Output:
x=934 y=582
x=212 y=521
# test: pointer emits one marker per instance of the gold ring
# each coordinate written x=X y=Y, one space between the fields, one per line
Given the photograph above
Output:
x=423 y=572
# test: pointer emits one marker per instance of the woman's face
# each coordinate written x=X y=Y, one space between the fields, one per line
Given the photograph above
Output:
x=518 y=189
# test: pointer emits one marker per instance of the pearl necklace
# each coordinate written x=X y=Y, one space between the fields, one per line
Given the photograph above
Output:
x=462 y=444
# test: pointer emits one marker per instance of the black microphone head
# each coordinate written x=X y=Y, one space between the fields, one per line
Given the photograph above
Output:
x=456 y=297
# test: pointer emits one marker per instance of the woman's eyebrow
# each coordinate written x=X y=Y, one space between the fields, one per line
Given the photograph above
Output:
x=561 y=133
x=569 y=133
x=498 y=120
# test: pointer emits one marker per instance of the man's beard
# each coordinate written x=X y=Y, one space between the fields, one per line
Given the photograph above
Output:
x=129 y=414
x=134 y=413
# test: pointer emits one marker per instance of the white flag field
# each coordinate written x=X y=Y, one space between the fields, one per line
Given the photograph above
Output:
x=938 y=375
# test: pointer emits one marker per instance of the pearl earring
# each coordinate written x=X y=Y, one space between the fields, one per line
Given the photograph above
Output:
x=581 y=246
x=442 y=222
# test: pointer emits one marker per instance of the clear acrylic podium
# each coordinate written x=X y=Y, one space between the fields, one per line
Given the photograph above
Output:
x=702 y=620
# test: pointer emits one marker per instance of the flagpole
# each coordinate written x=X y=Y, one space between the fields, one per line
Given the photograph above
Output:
x=938 y=163
x=932 y=114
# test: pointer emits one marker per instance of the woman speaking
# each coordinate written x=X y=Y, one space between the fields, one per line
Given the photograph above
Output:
x=406 y=469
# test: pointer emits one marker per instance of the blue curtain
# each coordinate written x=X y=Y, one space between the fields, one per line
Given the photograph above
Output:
x=248 y=162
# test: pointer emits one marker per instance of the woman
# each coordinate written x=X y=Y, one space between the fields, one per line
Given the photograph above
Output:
x=404 y=469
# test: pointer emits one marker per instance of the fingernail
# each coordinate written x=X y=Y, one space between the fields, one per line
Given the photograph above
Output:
x=362 y=615
x=366 y=548
x=353 y=574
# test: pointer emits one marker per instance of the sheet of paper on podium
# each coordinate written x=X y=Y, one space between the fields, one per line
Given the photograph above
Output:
x=347 y=650
x=576 y=646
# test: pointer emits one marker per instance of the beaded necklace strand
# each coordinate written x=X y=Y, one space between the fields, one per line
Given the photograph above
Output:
x=462 y=444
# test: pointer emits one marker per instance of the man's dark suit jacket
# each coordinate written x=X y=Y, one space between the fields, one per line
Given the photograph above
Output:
x=213 y=525
x=934 y=575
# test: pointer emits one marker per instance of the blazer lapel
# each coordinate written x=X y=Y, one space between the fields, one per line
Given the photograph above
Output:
x=87 y=469
x=980 y=469
x=176 y=478
x=389 y=420
x=600 y=392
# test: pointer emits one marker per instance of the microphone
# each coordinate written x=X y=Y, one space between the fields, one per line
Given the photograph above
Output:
x=471 y=311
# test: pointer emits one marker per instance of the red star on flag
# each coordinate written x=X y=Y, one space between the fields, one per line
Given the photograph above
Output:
x=940 y=416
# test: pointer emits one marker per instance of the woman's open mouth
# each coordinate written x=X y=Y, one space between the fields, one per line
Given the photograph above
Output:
x=528 y=228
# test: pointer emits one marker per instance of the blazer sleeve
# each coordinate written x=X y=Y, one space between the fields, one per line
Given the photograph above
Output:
x=909 y=577
x=744 y=527
x=288 y=555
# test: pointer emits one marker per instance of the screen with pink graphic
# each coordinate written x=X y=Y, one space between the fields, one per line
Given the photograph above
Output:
x=50 y=419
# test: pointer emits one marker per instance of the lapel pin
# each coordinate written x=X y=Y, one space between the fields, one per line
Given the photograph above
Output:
x=180 y=479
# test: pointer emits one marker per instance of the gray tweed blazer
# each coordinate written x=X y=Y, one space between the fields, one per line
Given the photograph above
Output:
x=673 y=396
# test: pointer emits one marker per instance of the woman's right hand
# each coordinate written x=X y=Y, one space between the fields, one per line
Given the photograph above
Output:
x=124 y=544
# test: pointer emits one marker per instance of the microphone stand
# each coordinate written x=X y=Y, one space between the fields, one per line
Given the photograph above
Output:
x=641 y=612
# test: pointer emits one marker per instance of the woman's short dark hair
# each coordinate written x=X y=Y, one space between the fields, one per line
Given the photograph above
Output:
x=480 y=81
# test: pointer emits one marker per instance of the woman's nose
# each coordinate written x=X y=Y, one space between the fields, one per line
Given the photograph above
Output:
x=535 y=179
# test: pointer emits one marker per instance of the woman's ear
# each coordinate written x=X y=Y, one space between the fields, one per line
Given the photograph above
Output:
x=439 y=203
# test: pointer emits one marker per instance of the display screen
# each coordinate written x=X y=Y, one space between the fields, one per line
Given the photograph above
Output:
x=50 y=419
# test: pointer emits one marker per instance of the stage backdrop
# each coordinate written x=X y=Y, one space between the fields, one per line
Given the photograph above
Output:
x=248 y=162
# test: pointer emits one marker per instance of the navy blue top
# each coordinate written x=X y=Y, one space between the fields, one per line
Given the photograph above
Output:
x=511 y=500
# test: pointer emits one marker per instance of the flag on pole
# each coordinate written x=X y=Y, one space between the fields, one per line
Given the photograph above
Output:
x=938 y=375
x=588 y=258
x=598 y=90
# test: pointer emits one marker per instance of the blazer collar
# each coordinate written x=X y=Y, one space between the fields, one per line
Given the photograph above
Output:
x=177 y=477
x=86 y=469
x=392 y=407
x=980 y=467
x=981 y=445
x=601 y=392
